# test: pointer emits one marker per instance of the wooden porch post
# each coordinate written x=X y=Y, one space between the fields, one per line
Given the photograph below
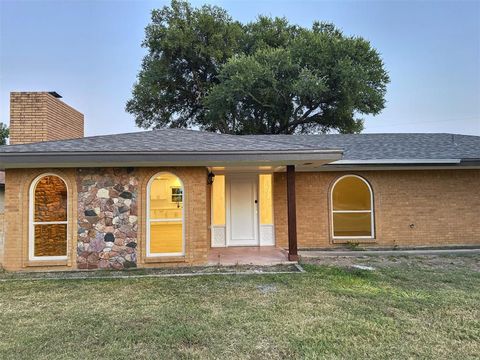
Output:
x=292 y=214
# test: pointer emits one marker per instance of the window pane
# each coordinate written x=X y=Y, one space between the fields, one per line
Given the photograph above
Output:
x=351 y=193
x=177 y=195
x=352 y=224
x=265 y=199
x=50 y=240
x=218 y=200
x=50 y=200
x=166 y=197
x=166 y=237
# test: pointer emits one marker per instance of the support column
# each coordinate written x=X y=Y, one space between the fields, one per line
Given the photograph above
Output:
x=292 y=214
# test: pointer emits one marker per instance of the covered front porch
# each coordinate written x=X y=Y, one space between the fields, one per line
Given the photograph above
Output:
x=242 y=225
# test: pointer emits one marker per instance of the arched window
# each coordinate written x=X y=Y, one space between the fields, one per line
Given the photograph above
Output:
x=48 y=230
x=165 y=218
x=352 y=208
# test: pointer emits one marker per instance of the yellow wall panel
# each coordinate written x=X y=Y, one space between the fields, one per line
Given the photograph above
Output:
x=265 y=199
x=218 y=200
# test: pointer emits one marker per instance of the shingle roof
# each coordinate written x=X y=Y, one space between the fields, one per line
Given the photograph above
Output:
x=355 y=147
x=391 y=146
x=165 y=140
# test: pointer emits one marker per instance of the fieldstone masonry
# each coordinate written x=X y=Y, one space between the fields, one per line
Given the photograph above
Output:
x=107 y=218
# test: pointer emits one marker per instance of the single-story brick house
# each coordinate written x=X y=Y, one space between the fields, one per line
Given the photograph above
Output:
x=168 y=197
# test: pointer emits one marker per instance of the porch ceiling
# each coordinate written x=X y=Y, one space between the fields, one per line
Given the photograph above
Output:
x=299 y=166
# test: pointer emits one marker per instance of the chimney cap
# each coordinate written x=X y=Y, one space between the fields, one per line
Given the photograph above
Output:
x=55 y=94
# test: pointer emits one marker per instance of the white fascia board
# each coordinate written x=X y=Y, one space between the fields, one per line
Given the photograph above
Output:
x=396 y=161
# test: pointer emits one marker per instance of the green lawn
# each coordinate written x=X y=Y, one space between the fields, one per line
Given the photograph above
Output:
x=397 y=311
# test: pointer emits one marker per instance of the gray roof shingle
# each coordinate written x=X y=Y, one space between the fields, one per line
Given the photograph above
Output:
x=164 y=140
x=392 y=146
x=355 y=147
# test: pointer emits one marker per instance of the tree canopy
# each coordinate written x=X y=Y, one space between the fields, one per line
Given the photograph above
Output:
x=205 y=70
x=4 y=133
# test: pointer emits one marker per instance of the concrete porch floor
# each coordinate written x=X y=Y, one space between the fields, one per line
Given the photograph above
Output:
x=248 y=255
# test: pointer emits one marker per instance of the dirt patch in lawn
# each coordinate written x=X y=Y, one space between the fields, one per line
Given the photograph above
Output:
x=159 y=272
x=444 y=262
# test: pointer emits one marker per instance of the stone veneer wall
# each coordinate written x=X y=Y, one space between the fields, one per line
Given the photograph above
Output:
x=107 y=218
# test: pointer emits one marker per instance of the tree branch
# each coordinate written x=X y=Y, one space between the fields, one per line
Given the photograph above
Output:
x=258 y=101
x=301 y=120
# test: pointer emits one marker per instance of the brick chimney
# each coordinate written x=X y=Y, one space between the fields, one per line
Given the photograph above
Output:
x=42 y=116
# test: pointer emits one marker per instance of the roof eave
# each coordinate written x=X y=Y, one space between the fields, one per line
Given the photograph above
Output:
x=402 y=164
x=396 y=161
x=136 y=159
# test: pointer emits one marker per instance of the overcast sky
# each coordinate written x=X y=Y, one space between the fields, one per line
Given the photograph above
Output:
x=90 y=53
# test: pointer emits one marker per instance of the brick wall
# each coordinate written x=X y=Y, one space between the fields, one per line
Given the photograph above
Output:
x=17 y=186
x=39 y=116
x=196 y=216
x=2 y=224
x=442 y=205
x=18 y=182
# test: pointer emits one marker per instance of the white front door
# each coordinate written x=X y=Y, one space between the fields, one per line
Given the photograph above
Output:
x=242 y=222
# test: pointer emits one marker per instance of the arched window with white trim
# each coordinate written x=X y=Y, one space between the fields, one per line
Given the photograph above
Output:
x=165 y=216
x=48 y=227
x=352 y=212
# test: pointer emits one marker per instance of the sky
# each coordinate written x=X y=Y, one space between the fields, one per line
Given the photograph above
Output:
x=90 y=52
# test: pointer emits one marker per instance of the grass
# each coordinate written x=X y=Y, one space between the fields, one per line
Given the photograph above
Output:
x=328 y=312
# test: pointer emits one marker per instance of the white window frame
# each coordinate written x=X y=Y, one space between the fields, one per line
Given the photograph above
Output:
x=371 y=211
x=32 y=223
x=150 y=220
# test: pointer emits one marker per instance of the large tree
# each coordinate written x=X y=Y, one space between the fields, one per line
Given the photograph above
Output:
x=4 y=133
x=205 y=70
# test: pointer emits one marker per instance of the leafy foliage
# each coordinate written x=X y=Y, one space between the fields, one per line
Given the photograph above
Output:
x=186 y=48
x=4 y=133
x=204 y=69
